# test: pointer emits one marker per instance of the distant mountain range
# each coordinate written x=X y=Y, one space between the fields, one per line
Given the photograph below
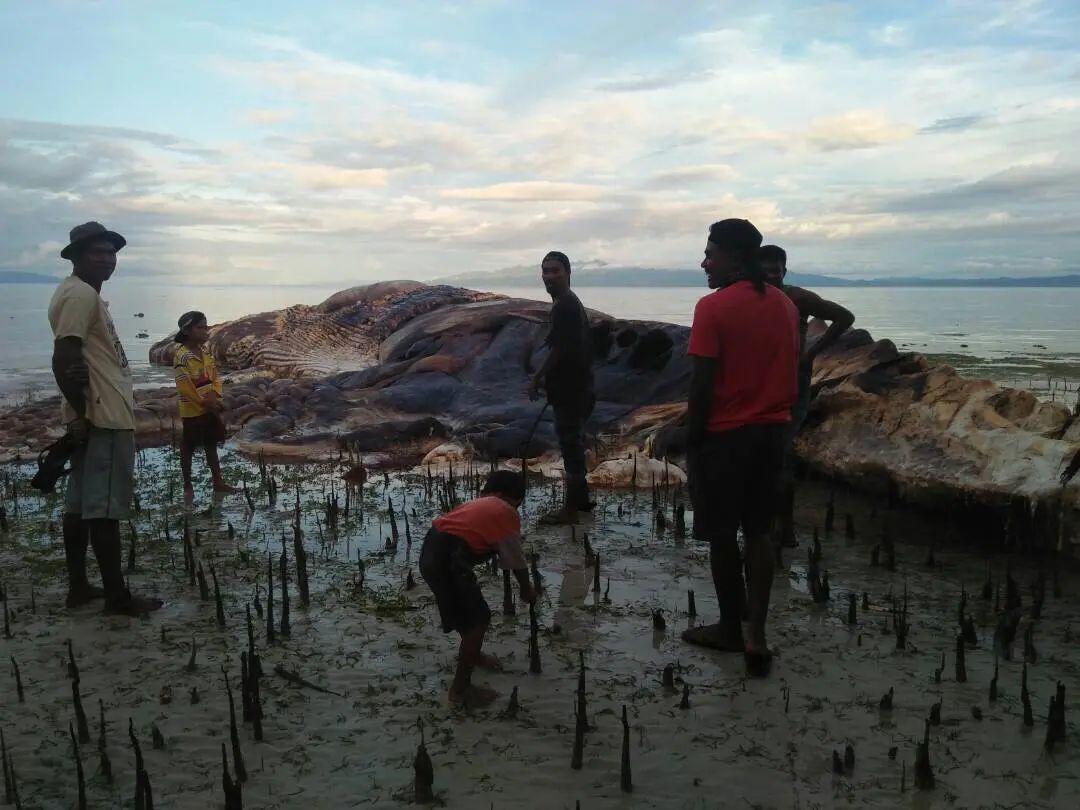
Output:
x=647 y=277
x=19 y=277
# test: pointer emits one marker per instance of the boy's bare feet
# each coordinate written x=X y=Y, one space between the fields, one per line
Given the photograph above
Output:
x=77 y=597
x=132 y=605
x=489 y=662
x=758 y=660
x=716 y=637
x=473 y=697
x=563 y=517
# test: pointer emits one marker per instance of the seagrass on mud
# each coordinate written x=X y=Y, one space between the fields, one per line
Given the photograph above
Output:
x=626 y=780
x=534 y=642
x=580 y=717
x=283 y=574
x=924 y=772
x=233 y=791
x=423 y=772
x=19 y=694
x=143 y=794
x=508 y=608
x=79 y=775
x=234 y=733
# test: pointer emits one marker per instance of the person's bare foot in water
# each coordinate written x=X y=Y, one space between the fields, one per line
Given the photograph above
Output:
x=473 y=697
x=758 y=658
x=132 y=605
x=221 y=488
x=489 y=662
x=84 y=595
x=716 y=637
x=562 y=517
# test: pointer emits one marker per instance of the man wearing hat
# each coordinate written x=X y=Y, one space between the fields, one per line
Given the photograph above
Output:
x=744 y=345
x=92 y=372
x=199 y=387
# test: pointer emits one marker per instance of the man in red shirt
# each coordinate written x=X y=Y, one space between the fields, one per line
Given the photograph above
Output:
x=744 y=342
x=459 y=540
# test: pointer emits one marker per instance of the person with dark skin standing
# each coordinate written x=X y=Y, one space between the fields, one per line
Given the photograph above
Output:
x=810 y=305
x=744 y=345
x=199 y=387
x=567 y=377
x=92 y=372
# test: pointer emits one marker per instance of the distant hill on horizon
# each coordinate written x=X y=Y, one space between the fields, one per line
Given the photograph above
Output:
x=19 y=277
x=650 y=277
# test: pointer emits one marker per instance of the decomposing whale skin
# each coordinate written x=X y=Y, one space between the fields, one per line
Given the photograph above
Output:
x=440 y=370
x=426 y=364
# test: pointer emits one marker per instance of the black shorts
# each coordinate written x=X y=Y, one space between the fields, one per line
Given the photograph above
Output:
x=446 y=564
x=738 y=475
x=204 y=430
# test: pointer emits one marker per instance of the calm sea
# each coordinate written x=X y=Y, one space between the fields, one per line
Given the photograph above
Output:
x=1023 y=337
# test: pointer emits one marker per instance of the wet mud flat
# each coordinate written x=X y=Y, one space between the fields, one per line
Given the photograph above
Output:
x=357 y=677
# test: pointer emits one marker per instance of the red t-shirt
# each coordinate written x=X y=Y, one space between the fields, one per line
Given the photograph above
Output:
x=487 y=524
x=755 y=340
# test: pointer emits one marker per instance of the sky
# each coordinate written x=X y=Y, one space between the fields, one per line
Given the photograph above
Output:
x=347 y=141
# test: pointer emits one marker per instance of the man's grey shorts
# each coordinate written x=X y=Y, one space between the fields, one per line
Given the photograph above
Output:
x=101 y=484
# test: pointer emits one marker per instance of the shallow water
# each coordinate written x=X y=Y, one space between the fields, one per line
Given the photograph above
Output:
x=382 y=650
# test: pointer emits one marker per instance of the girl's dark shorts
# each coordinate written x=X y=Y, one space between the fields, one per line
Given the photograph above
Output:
x=446 y=564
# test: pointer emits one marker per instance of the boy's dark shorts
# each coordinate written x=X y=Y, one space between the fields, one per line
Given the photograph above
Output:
x=738 y=476
x=204 y=430
x=446 y=564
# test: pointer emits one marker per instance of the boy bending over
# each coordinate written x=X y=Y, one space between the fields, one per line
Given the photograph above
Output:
x=456 y=542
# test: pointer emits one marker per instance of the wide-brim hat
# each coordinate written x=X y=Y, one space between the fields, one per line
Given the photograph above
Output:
x=89 y=232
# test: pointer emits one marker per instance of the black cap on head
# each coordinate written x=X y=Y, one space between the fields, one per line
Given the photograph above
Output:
x=558 y=256
x=738 y=235
x=186 y=321
x=504 y=482
x=773 y=253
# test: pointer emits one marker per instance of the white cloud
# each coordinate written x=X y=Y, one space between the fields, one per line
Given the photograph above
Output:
x=621 y=149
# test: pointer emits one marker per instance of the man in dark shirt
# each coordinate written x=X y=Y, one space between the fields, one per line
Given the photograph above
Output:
x=567 y=376
x=810 y=305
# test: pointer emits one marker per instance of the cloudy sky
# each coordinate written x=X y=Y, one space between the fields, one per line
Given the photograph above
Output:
x=350 y=140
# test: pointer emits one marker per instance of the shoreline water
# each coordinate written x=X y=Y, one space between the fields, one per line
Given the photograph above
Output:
x=761 y=742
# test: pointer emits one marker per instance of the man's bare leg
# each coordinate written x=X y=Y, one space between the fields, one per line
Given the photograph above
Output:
x=727 y=575
x=76 y=541
x=105 y=538
x=759 y=555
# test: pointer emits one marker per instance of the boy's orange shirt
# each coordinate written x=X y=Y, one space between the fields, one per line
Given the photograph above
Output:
x=487 y=524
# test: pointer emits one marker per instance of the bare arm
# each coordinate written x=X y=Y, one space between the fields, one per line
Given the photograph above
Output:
x=552 y=358
x=812 y=305
x=71 y=373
